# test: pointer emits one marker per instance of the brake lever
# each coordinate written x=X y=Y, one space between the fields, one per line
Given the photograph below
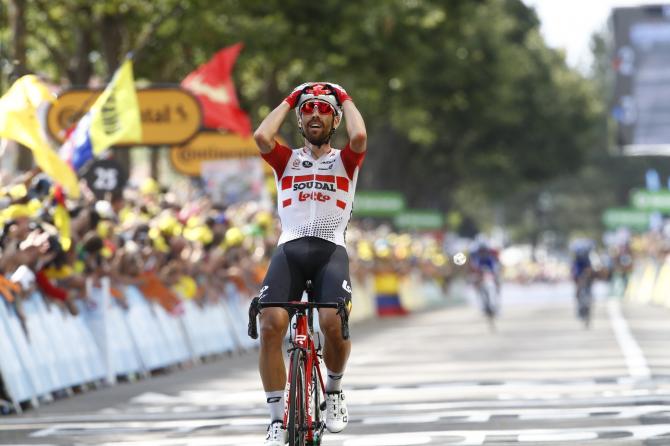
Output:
x=344 y=319
x=252 y=329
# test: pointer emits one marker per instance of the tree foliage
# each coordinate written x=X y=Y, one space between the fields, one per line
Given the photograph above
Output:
x=464 y=101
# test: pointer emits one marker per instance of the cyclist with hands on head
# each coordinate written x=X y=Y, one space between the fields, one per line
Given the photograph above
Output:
x=315 y=194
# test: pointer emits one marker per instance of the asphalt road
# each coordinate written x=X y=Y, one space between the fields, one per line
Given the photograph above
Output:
x=438 y=378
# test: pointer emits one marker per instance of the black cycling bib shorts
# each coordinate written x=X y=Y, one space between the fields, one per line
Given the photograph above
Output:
x=309 y=258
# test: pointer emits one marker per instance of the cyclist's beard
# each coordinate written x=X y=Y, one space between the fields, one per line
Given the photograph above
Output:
x=319 y=139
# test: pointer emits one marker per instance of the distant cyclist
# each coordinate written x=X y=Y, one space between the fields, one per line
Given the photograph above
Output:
x=583 y=276
x=485 y=268
x=315 y=194
x=484 y=259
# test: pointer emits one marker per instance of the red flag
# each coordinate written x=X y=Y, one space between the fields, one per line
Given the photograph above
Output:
x=213 y=85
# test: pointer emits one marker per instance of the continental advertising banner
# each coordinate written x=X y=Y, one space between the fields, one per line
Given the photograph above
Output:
x=170 y=115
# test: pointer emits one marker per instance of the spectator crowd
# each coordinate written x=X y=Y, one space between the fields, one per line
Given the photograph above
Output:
x=172 y=249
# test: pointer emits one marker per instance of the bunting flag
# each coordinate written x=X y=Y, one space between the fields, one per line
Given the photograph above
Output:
x=213 y=85
x=114 y=116
x=19 y=122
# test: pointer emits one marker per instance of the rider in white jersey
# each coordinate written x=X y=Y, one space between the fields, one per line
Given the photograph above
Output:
x=315 y=196
x=315 y=186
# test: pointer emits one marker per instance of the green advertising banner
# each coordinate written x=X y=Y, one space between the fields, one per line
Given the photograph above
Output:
x=419 y=219
x=626 y=218
x=651 y=201
x=378 y=203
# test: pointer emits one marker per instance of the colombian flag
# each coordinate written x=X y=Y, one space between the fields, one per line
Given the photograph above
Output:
x=114 y=116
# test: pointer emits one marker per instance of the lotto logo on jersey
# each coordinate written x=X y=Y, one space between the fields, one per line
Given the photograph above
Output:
x=314 y=185
x=318 y=196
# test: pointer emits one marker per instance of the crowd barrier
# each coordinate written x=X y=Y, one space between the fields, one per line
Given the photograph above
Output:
x=104 y=342
x=649 y=283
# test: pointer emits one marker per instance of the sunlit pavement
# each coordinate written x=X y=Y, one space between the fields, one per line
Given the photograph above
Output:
x=440 y=378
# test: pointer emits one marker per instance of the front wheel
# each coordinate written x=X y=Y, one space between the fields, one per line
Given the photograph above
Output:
x=296 y=401
x=315 y=409
x=584 y=305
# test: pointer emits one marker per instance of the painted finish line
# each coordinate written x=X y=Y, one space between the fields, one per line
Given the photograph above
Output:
x=469 y=438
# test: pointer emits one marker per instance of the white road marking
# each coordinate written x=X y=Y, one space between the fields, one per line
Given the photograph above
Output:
x=635 y=360
x=461 y=438
x=559 y=436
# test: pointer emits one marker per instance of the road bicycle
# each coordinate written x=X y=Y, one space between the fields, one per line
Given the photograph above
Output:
x=487 y=291
x=303 y=414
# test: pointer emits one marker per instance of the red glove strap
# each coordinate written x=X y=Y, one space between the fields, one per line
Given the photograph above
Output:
x=292 y=99
x=342 y=95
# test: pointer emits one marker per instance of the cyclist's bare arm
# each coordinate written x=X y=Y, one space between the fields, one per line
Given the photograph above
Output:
x=358 y=138
x=266 y=132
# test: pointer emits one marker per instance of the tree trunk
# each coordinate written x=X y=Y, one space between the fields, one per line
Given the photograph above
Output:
x=154 y=154
x=17 y=23
x=112 y=41
x=81 y=70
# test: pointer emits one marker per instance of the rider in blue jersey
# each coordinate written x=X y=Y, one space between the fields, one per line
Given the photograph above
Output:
x=581 y=265
x=483 y=259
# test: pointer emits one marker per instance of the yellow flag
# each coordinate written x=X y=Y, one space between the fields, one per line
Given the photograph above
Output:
x=115 y=115
x=19 y=122
x=62 y=222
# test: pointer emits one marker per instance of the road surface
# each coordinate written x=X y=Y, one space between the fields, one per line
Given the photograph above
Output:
x=434 y=378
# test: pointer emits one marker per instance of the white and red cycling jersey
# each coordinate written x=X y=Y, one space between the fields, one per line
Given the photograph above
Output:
x=314 y=196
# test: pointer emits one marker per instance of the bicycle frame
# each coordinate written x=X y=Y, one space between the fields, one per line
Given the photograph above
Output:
x=303 y=339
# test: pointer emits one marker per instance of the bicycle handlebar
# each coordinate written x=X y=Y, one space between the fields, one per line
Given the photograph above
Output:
x=297 y=307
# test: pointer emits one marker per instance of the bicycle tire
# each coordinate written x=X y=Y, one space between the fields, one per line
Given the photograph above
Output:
x=296 y=407
x=316 y=405
x=485 y=301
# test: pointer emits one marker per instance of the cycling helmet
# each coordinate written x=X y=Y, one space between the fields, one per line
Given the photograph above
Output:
x=319 y=91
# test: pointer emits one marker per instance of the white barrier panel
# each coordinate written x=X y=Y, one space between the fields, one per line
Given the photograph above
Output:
x=41 y=350
x=62 y=348
x=173 y=331
x=432 y=292
x=93 y=362
x=410 y=292
x=362 y=300
x=111 y=334
x=662 y=284
x=145 y=331
x=207 y=328
x=125 y=355
x=237 y=311
x=194 y=325
x=224 y=336
x=18 y=375
x=93 y=315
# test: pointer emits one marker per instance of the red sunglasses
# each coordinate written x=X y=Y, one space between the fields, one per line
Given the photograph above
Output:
x=322 y=107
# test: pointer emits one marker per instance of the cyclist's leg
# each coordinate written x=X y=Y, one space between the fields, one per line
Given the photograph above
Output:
x=283 y=282
x=331 y=283
x=483 y=294
x=582 y=297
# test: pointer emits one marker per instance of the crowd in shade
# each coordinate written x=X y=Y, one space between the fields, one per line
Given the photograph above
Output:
x=170 y=248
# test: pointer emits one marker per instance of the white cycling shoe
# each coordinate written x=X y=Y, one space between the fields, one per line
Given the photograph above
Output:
x=337 y=416
x=276 y=435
